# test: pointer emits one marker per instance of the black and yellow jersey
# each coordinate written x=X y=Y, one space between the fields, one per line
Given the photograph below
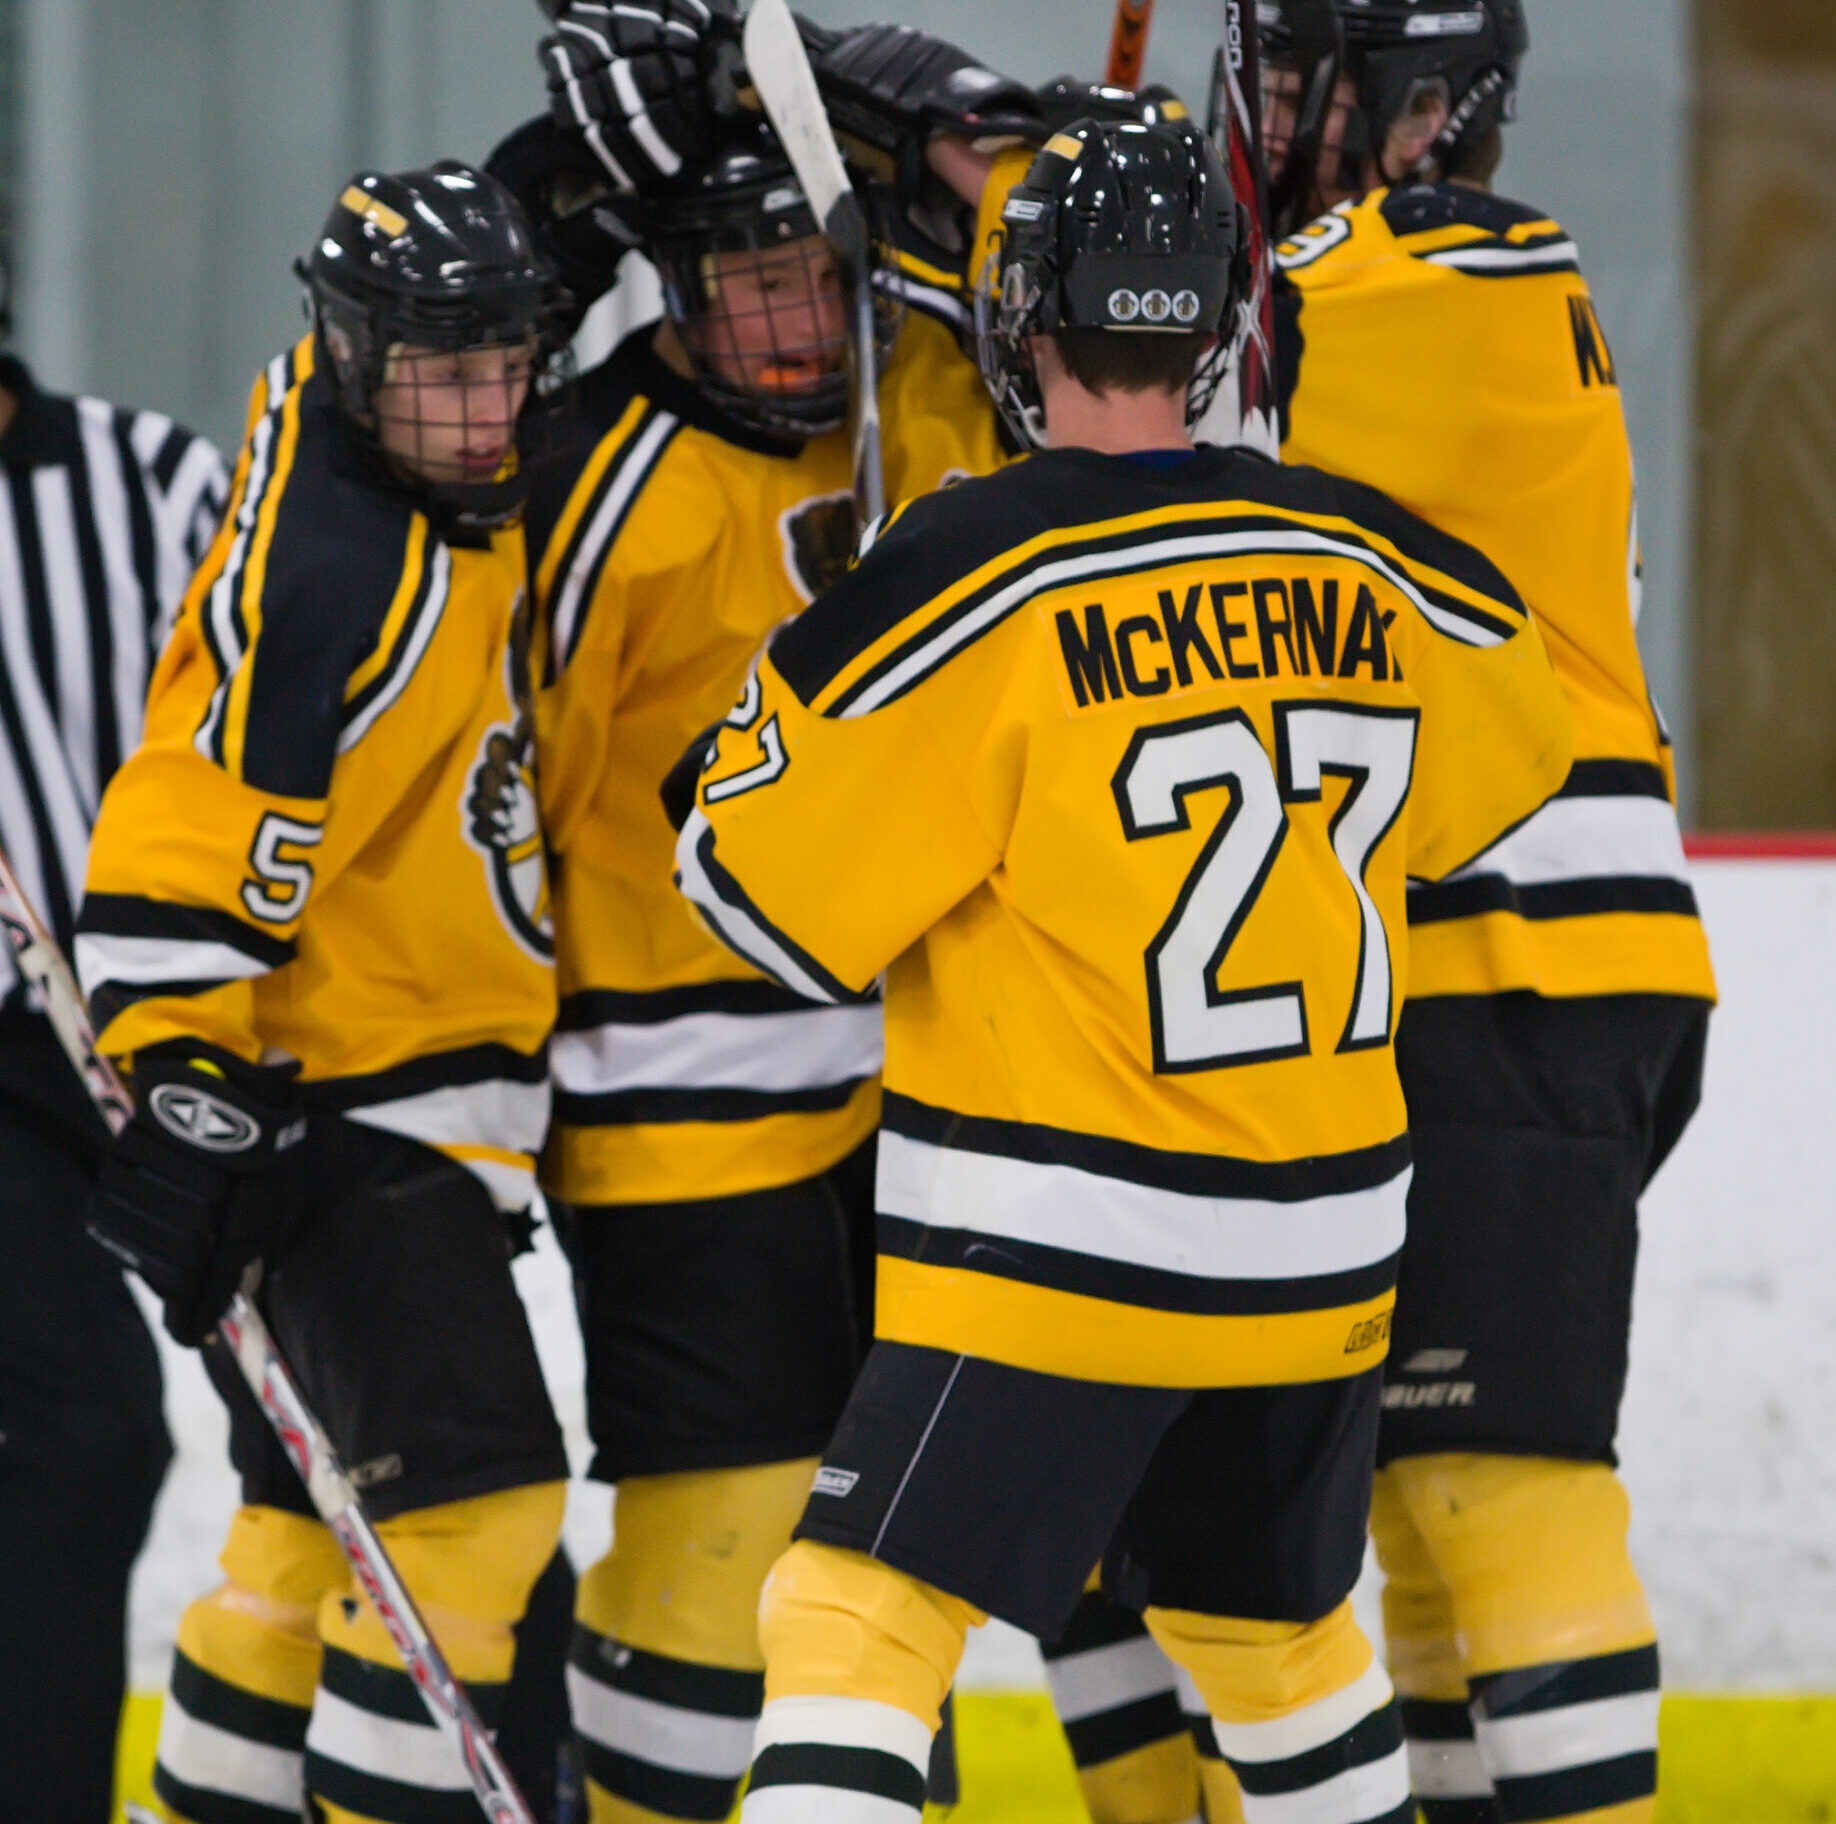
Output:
x=682 y=541
x=326 y=846
x=1440 y=343
x=1116 y=771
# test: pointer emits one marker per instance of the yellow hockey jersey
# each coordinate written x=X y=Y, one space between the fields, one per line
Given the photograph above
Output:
x=1440 y=343
x=676 y=546
x=1116 y=770
x=326 y=847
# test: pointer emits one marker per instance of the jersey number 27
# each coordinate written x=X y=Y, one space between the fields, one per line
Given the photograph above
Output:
x=1197 y=1026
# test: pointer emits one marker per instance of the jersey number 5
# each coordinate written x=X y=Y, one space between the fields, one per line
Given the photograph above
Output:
x=1197 y=1026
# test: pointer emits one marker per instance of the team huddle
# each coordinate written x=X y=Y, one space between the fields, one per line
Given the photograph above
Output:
x=1092 y=1039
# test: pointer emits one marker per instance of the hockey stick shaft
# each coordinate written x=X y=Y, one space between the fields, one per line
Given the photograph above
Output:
x=1128 y=39
x=304 y=1439
x=780 y=70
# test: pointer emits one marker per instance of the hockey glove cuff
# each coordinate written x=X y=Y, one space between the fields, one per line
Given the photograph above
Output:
x=202 y=1181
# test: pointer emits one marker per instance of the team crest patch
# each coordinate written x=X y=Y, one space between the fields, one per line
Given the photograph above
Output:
x=503 y=823
x=818 y=536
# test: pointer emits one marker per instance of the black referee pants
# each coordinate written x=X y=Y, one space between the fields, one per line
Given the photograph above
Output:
x=83 y=1447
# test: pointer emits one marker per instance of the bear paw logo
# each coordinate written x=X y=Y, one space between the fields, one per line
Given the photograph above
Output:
x=504 y=826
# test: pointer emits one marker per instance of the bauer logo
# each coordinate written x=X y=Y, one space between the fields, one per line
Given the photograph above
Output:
x=1124 y=305
x=1023 y=209
x=836 y=1482
x=203 y=1120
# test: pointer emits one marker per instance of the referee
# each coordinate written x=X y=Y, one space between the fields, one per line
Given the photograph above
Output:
x=104 y=513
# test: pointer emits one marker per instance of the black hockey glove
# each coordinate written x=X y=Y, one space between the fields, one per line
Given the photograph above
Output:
x=891 y=89
x=580 y=222
x=202 y=1181
x=635 y=79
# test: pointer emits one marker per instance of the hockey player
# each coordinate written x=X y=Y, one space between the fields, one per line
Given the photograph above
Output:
x=1112 y=765
x=317 y=930
x=1441 y=342
x=712 y=1154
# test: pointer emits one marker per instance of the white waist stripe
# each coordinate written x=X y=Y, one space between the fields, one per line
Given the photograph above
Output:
x=1576 y=1735
x=413 y=1754
x=685 y=1741
x=1448 y=1770
x=1582 y=838
x=215 y=1760
x=764 y=1051
x=1105 y=1678
x=1062 y=1206
x=1312 y=1726
x=1372 y=1791
x=144 y=960
x=499 y=1113
x=844 y=1722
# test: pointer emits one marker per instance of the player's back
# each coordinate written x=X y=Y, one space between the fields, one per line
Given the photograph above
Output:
x=1165 y=738
x=1441 y=342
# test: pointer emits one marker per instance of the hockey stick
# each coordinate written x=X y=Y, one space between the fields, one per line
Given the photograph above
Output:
x=1128 y=43
x=780 y=70
x=303 y=1438
x=1236 y=125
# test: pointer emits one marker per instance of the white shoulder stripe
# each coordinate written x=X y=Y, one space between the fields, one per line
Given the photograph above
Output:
x=926 y=657
x=629 y=472
x=1556 y=256
x=408 y=659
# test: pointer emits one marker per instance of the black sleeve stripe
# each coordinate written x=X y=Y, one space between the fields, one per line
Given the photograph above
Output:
x=130 y=915
x=577 y=575
x=1437 y=902
x=1615 y=779
x=1493 y=261
x=417 y=631
x=610 y=1006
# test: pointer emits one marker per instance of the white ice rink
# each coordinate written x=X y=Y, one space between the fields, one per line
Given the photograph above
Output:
x=1729 y=1432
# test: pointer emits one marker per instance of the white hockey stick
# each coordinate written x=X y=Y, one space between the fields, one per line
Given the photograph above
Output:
x=301 y=1435
x=780 y=70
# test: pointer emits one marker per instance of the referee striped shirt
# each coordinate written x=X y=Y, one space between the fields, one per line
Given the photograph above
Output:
x=103 y=517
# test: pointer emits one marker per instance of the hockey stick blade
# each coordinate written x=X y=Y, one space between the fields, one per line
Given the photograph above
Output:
x=302 y=1437
x=780 y=70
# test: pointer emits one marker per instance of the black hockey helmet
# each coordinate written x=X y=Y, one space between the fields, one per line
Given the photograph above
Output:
x=1471 y=50
x=755 y=296
x=1130 y=228
x=441 y=261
